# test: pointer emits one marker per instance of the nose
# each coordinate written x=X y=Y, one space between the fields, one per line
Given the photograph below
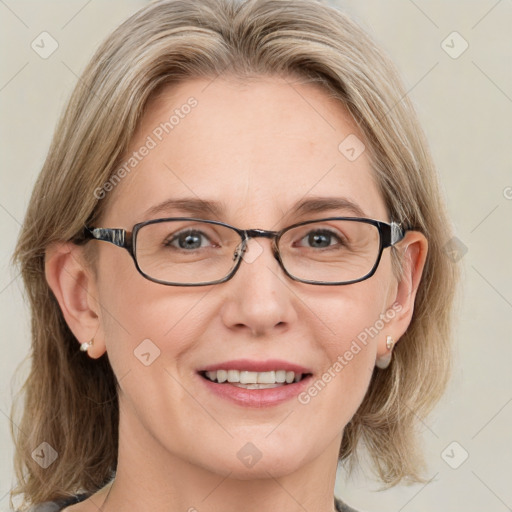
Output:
x=258 y=299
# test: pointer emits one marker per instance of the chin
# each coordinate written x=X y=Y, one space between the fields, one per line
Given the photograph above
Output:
x=247 y=460
x=263 y=469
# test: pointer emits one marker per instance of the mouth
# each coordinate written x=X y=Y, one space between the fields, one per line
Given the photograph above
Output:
x=254 y=380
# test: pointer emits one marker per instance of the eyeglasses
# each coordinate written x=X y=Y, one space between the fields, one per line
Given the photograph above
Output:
x=186 y=251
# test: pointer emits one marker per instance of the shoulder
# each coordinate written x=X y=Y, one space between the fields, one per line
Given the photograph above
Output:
x=342 y=507
x=57 y=505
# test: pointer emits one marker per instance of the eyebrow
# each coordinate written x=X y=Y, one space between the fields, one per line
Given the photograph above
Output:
x=215 y=209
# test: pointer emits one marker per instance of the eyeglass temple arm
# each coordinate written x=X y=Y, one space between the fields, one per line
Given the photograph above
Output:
x=393 y=234
x=114 y=236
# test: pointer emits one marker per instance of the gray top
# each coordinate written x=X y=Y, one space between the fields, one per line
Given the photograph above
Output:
x=342 y=507
x=56 y=506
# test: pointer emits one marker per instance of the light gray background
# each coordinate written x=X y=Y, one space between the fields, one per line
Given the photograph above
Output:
x=465 y=105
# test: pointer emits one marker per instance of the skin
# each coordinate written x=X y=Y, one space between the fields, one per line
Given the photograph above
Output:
x=259 y=146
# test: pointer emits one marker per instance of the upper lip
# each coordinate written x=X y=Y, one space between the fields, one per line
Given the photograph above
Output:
x=256 y=366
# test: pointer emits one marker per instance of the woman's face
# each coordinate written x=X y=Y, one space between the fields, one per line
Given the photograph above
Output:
x=256 y=150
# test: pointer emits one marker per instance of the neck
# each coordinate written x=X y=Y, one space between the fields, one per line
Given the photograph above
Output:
x=157 y=478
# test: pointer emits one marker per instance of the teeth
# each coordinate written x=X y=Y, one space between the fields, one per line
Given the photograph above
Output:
x=222 y=375
x=255 y=386
x=280 y=376
x=247 y=377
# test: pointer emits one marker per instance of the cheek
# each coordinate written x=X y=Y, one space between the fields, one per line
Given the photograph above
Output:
x=140 y=316
x=355 y=323
x=352 y=313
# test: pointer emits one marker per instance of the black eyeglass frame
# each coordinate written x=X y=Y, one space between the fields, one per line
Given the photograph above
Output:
x=389 y=235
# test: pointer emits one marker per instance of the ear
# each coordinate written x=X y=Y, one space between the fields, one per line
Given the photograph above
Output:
x=414 y=248
x=73 y=285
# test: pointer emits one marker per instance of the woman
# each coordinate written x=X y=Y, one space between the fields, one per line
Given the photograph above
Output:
x=233 y=253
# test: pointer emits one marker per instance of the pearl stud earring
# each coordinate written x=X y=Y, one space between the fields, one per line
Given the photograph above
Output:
x=84 y=347
x=384 y=361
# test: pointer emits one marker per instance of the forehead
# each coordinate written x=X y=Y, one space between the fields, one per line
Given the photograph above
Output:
x=255 y=148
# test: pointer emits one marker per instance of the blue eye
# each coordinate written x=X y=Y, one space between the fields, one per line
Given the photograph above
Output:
x=186 y=240
x=322 y=238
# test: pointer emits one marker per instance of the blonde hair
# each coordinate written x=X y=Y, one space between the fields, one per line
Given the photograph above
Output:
x=70 y=401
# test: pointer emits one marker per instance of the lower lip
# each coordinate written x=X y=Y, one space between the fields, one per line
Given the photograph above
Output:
x=257 y=397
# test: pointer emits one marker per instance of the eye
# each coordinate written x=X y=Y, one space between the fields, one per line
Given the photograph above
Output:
x=321 y=238
x=187 y=240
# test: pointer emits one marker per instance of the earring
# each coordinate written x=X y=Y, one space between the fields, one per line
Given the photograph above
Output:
x=384 y=361
x=84 y=347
